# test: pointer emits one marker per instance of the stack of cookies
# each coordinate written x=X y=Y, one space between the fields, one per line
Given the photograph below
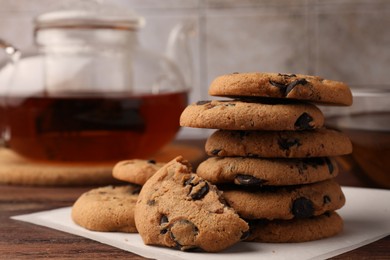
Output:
x=271 y=155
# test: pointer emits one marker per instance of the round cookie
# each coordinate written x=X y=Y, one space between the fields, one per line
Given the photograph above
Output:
x=287 y=86
x=106 y=209
x=240 y=115
x=287 y=202
x=178 y=209
x=295 y=230
x=278 y=144
x=135 y=171
x=264 y=172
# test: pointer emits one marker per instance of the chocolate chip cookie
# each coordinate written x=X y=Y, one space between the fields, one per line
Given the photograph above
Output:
x=286 y=86
x=266 y=172
x=178 y=209
x=135 y=171
x=273 y=144
x=109 y=208
x=240 y=115
x=295 y=230
x=301 y=201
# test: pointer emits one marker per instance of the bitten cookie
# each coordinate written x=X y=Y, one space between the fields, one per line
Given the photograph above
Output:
x=295 y=230
x=276 y=85
x=240 y=115
x=109 y=208
x=178 y=209
x=135 y=171
x=258 y=172
x=273 y=144
x=286 y=202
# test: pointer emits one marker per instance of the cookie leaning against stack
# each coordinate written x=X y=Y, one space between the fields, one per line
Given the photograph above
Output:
x=271 y=154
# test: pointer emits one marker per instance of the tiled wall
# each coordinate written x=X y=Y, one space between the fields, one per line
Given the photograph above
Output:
x=346 y=40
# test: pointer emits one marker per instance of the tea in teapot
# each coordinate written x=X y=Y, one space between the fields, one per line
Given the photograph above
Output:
x=90 y=93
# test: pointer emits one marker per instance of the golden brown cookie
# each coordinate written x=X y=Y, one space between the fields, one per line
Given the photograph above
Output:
x=178 y=209
x=109 y=208
x=301 y=201
x=273 y=144
x=240 y=115
x=295 y=230
x=286 y=86
x=136 y=171
x=266 y=172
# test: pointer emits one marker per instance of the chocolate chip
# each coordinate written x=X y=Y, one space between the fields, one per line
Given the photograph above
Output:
x=248 y=180
x=282 y=87
x=151 y=202
x=302 y=208
x=184 y=233
x=285 y=89
x=163 y=219
x=163 y=223
x=201 y=192
x=198 y=188
x=326 y=199
x=215 y=151
x=303 y=122
x=189 y=180
x=152 y=161
x=330 y=165
x=245 y=235
x=287 y=143
x=203 y=102
x=293 y=84
x=287 y=75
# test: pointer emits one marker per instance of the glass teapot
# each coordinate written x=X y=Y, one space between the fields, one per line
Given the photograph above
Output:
x=90 y=93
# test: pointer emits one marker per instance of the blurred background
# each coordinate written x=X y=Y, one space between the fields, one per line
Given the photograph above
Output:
x=346 y=40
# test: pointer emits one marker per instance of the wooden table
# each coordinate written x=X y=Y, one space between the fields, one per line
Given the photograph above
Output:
x=20 y=240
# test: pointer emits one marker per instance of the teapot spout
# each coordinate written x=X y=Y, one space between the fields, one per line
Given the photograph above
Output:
x=178 y=50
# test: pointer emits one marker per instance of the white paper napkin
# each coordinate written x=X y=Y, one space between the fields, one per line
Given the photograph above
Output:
x=366 y=219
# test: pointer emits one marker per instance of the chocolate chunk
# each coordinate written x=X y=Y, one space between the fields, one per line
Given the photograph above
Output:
x=151 y=202
x=302 y=208
x=245 y=235
x=285 y=89
x=326 y=199
x=330 y=165
x=184 y=233
x=293 y=84
x=163 y=223
x=303 y=122
x=286 y=144
x=282 y=87
x=163 y=219
x=287 y=75
x=200 y=193
x=189 y=180
x=203 y=102
x=215 y=151
x=152 y=161
x=248 y=180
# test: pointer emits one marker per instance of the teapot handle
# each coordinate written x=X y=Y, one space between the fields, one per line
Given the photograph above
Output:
x=11 y=51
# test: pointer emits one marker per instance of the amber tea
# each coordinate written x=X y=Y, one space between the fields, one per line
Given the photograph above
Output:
x=92 y=129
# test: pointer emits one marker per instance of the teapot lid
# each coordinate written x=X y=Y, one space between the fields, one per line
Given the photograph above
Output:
x=102 y=16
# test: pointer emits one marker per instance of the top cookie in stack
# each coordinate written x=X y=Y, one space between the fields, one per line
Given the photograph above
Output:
x=272 y=155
